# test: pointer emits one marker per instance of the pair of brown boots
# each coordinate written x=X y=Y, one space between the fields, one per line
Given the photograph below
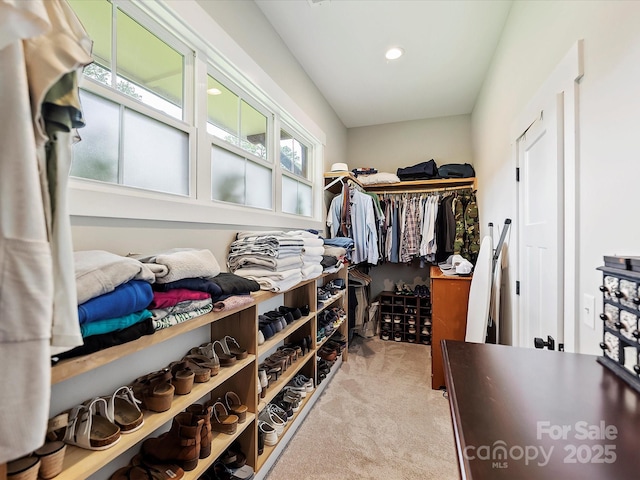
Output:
x=188 y=440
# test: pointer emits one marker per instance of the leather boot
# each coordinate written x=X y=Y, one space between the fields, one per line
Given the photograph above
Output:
x=180 y=445
x=206 y=437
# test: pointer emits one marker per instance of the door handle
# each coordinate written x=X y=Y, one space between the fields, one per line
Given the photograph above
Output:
x=540 y=343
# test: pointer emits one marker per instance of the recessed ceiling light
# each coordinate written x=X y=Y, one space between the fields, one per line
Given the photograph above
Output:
x=394 y=53
x=214 y=91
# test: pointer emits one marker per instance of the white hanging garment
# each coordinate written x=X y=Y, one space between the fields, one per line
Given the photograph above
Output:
x=33 y=35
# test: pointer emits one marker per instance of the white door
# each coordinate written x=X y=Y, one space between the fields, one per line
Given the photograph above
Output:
x=540 y=219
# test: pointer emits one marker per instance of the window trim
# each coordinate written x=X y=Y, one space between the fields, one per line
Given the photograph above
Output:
x=190 y=25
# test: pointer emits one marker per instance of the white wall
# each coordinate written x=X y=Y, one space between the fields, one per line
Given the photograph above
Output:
x=266 y=57
x=536 y=37
x=391 y=146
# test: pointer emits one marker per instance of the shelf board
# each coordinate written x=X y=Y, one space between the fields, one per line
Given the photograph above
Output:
x=284 y=333
x=434 y=184
x=75 y=366
x=71 y=367
x=79 y=463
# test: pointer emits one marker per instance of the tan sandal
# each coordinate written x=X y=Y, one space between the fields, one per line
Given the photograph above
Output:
x=155 y=390
x=203 y=367
x=123 y=410
x=221 y=421
x=225 y=356
x=183 y=376
x=234 y=348
x=24 y=468
x=207 y=350
x=52 y=453
x=235 y=406
x=51 y=456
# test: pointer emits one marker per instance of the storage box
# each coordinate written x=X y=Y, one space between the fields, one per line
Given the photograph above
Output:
x=634 y=263
x=621 y=326
x=615 y=261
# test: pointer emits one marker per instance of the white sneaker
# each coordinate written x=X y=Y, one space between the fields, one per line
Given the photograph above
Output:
x=301 y=380
x=272 y=419
x=270 y=435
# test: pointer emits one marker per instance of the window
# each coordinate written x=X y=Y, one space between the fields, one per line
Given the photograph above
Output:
x=293 y=154
x=147 y=69
x=123 y=142
x=142 y=102
x=296 y=197
x=232 y=119
x=236 y=179
x=296 y=192
x=242 y=172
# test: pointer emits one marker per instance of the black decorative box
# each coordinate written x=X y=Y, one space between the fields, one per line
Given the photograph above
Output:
x=621 y=331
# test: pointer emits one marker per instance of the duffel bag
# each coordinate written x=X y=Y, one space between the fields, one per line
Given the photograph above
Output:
x=456 y=170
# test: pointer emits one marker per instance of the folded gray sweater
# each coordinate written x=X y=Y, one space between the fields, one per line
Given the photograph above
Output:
x=99 y=272
x=179 y=263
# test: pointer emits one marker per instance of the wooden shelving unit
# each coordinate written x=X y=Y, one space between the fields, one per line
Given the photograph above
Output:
x=241 y=378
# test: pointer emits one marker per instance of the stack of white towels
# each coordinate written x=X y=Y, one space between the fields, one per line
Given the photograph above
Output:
x=277 y=260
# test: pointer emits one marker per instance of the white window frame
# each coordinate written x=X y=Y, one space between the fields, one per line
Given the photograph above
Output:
x=186 y=21
x=311 y=161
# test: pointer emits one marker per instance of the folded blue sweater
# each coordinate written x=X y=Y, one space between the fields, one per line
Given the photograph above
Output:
x=127 y=298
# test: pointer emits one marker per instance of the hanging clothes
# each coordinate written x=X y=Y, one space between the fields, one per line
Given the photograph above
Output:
x=410 y=240
x=467 y=240
x=428 y=244
x=429 y=226
x=42 y=46
x=360 y=220
x=445 y=228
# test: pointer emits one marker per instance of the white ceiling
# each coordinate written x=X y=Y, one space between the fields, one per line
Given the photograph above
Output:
x=341 y=44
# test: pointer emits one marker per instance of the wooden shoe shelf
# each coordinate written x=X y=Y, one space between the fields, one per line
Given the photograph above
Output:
x=404 y=318
x=241 y=378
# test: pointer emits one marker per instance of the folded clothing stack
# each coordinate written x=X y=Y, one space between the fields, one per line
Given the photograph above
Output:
x=191 y=270
x=113 y=295
x=276 y=260
x=122 y=298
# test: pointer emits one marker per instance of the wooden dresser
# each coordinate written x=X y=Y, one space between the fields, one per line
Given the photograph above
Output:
x=506 y=399
x=449 y=300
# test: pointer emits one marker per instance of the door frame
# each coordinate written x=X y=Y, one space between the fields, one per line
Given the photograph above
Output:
x=563 y=80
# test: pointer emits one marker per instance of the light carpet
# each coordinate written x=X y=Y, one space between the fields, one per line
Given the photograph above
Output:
x=377 y=419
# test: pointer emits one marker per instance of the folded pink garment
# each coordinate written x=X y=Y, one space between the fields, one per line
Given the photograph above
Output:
x=235 y=301
x=175 y=296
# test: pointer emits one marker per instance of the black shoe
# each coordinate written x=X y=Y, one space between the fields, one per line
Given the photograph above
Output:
x=260 y=442
x=295 y=311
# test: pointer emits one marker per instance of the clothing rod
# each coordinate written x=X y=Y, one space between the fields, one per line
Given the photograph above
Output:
x=421 y=190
